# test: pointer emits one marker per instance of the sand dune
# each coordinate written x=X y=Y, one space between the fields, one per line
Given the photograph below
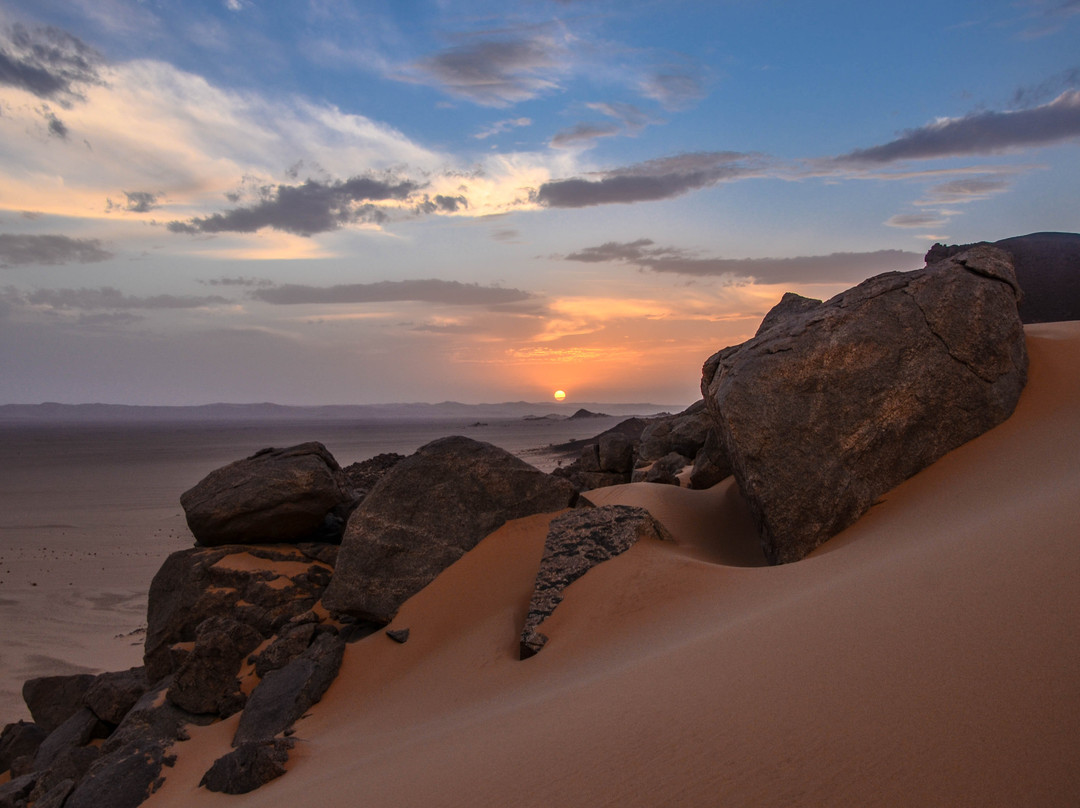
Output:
x=926 y=656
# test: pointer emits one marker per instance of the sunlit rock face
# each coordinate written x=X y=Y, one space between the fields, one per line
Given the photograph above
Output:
x=832 y=406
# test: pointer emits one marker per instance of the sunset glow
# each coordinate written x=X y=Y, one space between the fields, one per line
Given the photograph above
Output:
x=349 y=202
x=559 y=395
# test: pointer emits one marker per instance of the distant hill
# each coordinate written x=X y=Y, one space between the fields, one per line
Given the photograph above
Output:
x=123 y=413
x=1047 y=267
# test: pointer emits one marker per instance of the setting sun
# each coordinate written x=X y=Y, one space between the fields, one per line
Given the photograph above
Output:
x=559 y=395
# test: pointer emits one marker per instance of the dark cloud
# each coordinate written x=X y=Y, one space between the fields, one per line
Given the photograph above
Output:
x=445 y=204
x=48 y=62
x=57 y=128
x=506 y=234
x=451 y=293
x=916 y=220
x=656 y=179
x=494 y=72
x=50 y=250
x=834 y=268
x=583 y=133
x=313 y=207
x=135 y=202
x=238 y=281
x=978 y=133
x=1048 y=89
x=106 y=297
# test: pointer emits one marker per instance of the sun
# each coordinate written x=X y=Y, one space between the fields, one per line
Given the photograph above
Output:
x=559 y=395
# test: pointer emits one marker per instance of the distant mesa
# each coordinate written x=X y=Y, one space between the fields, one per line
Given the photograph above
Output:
x=583 y=413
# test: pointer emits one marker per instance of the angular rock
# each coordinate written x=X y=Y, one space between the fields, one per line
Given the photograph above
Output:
x=112 y=694
x=153 y=721
x=78 y=730
x=247 y=767
x=427 y=512
x=711 y=465
x=207 y=681
x=18 y=740
x=683 y=433
x=285 y=694
x=264 y=588
x=826 y=411
x=664 y=471
x=56 y=795
x=616 y=453
x=364 y=475
x=398 y=635
x=790 y=305
x=576 y=542
x=290 y=643
x=54 y=699
x=590 y=458
x=276 y=495
x=15 y=793
x=68 y=767
x=123 y=779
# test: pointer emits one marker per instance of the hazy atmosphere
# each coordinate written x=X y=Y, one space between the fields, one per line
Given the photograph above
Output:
x=329 y=202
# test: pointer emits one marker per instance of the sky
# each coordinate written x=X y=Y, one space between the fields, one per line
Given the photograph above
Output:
x=331 y=202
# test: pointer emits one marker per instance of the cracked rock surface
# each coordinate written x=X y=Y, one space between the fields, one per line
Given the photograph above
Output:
x=834 y=405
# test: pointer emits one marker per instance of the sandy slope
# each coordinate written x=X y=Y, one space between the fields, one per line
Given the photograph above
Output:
x=927 y=656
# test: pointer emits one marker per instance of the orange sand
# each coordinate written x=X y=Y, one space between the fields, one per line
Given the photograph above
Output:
x=929 y=655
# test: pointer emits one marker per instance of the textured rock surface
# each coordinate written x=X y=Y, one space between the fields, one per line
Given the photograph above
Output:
x=664 y=471
x=425 y=514
x=123 y=779
x=790 y=305
x=111 y=695
x=247 y=767
x=287 y=693
x=683 y=433
x=52 y=700
x=263 y=587
x=78 y=730
x=276 y=495
x=616 y=453
x=19 y=740
x=206 y=680
x=827 y=410
x=577 y=542
x=711 y=464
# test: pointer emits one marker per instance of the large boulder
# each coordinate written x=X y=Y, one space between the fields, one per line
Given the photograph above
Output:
x=427 y=512
x=206 y=681
x=261 y=586
x=684 y=433
x=52 y=700
x=276 y=495
x=248 y=767
x=827 y=410
x=576 y=542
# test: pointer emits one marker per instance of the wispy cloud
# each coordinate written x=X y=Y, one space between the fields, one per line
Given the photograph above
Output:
x=107 y=297
x=49 y=250
x=583 y=134
x=47 y=62
x=979 y=133
x=652 y=180
x=306 y=209
x=914 y=220
x=967 y=189
x=499 y=127
x=833 y=268
x=674 y=88
x=452 y=293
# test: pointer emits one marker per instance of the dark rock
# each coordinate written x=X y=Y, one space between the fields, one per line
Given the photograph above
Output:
x=587 y=481
x=290 y=643
x=711 y=465
x=56 y=795
x=122 y=779
x=828 y=410
x=1047 y=268
x=590 y=458
x=153 y=721
x=111 y=695
x=790 y=305
x=78 y=730
x=68 y=767
x=276 y=495
x=427 y=512
x=248 y=766
x=284 y=695
x=583 y=414
x=576 y=542
x=207 y=680
x=664 y=471
x=683 y=434
x=616 y=453
x=198 y=583
x=20 y=739
x=54 y=699
x=399 y=635
x=15 y=792
x=363 y=476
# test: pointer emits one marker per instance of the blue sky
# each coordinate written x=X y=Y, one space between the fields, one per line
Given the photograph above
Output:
x=337 y=202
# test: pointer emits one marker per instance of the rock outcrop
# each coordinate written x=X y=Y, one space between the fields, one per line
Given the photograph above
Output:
x=576 y=542
x=427 y=512
x=827 y=410
x=276 y=495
